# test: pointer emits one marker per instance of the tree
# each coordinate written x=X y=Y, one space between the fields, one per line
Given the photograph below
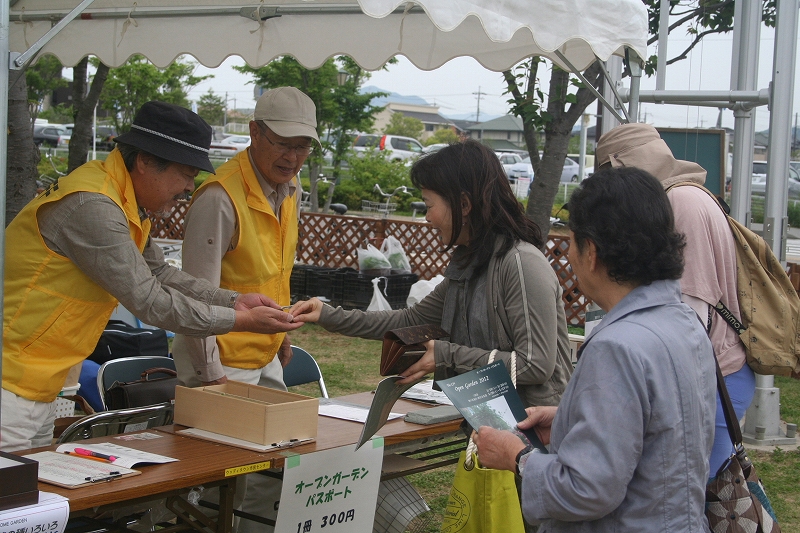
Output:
x=340 y=109
x=42 y=79
x=399 y=124
x=211 y=107
x=83 y=105
x=138 y=81
x=567 y=98
x=23 y=155
x=442 y=136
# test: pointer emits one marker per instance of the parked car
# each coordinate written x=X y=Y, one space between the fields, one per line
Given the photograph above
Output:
x=508 y=159
x=758 y=185
x=241 y=142
x=229 y=146
x=52 y=135
x=569 y=174
x=433 y=148
x=104 y=135
x=522 y=169
x=398 y=148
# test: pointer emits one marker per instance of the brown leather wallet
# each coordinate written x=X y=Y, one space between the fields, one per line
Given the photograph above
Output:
x=403 y=347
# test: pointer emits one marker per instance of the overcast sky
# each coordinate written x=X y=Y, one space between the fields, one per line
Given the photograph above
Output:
x=454 y=86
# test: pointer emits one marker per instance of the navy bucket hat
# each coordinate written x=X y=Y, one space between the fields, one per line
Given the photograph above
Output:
x=171 y=132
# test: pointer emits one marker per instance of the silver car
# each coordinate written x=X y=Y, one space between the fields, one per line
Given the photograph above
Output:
x=398 y=148
x=759 y=181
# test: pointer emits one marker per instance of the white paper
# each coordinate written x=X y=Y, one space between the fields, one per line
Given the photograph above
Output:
x=239 y=443
x=48 y=516
x=70 y=471
x=347 y=411
x=127 y=457
x=332 y=490
x=423 y=392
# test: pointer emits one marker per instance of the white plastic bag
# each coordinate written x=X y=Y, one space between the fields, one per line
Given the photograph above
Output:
x=422 y=288
x=393 y=250
x=370 y=259
x=378 y=302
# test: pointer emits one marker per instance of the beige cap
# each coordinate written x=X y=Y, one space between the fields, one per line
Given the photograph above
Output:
x=288 y=112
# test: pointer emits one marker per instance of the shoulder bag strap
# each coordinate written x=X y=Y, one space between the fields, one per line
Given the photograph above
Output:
x=727 y=409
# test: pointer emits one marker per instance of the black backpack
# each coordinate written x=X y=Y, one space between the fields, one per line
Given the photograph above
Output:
x=121 y=340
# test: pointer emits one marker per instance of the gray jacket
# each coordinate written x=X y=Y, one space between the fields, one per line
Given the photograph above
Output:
x=526 y=315
x=632 y=435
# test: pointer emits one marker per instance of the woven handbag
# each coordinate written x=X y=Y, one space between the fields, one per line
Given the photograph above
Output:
x=735 y=499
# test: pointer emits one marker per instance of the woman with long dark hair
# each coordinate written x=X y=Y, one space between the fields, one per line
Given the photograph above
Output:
x=499 y=292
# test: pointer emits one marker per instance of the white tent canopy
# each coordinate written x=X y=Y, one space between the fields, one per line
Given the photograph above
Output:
x=498 y=34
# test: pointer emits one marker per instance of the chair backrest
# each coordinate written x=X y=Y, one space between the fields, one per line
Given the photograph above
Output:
x=107 y=423
x=127 y=369
x=303 y=369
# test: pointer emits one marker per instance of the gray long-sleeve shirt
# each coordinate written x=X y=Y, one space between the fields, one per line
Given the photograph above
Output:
x=92 y=232
x=523 y=311
x=632 y=435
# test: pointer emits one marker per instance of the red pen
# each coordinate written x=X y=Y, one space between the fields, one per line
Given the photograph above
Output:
x=90 y=453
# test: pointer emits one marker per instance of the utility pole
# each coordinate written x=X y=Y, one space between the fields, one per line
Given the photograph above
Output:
x=225 y=118
x=478 y=115
x=480 y=95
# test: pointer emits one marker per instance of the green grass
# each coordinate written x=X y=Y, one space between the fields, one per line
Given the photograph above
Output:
x=350 y=365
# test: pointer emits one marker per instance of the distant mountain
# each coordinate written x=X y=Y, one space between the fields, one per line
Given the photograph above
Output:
x=392 y=98
x=416 y=100
x=471 y=116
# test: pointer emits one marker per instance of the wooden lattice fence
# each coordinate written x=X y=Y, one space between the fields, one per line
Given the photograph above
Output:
x=332 y=241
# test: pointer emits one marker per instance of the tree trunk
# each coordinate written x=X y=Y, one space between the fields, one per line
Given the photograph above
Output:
x=547 y=177
x=23 y=155
x=83 y=105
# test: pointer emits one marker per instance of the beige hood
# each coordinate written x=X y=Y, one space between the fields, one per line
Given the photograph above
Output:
x=640 y=145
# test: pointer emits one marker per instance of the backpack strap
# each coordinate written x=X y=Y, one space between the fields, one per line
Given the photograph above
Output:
x=719 y=307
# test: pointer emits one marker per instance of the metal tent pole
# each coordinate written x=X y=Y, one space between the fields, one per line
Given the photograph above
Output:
x=4 y=13
x=762 y=424
x=744 y=74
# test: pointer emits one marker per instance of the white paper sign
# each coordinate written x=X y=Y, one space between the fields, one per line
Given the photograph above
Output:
x=332 y=491
x=48 y=516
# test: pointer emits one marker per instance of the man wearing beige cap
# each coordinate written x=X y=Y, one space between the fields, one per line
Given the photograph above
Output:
x=241 y=233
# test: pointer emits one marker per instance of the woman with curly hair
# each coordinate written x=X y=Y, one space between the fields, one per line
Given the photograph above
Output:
x=499 y=292
x=629 y=443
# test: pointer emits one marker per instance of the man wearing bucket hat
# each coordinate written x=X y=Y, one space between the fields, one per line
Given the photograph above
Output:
x=83 y=245
x=709 y=274
x=241 y=231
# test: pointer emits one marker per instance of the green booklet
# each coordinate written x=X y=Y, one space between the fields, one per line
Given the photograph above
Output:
x=486 y=397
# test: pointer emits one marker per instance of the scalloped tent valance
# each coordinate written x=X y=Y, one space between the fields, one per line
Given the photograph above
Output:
x=428 y=32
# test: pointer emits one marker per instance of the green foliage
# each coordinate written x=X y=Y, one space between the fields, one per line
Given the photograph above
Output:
x=529 y=105
x=368 y=170
x=45 y=168
x=138 y=81
x=442 y=136
x=58 y=114
x=399 y=124
x=211 y=107
x=43 y=78
x=793 y=212
x=703 y=16
x=340 y=108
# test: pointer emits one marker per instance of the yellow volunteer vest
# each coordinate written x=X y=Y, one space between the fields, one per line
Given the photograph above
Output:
x=262 y=261
x=54 y=313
